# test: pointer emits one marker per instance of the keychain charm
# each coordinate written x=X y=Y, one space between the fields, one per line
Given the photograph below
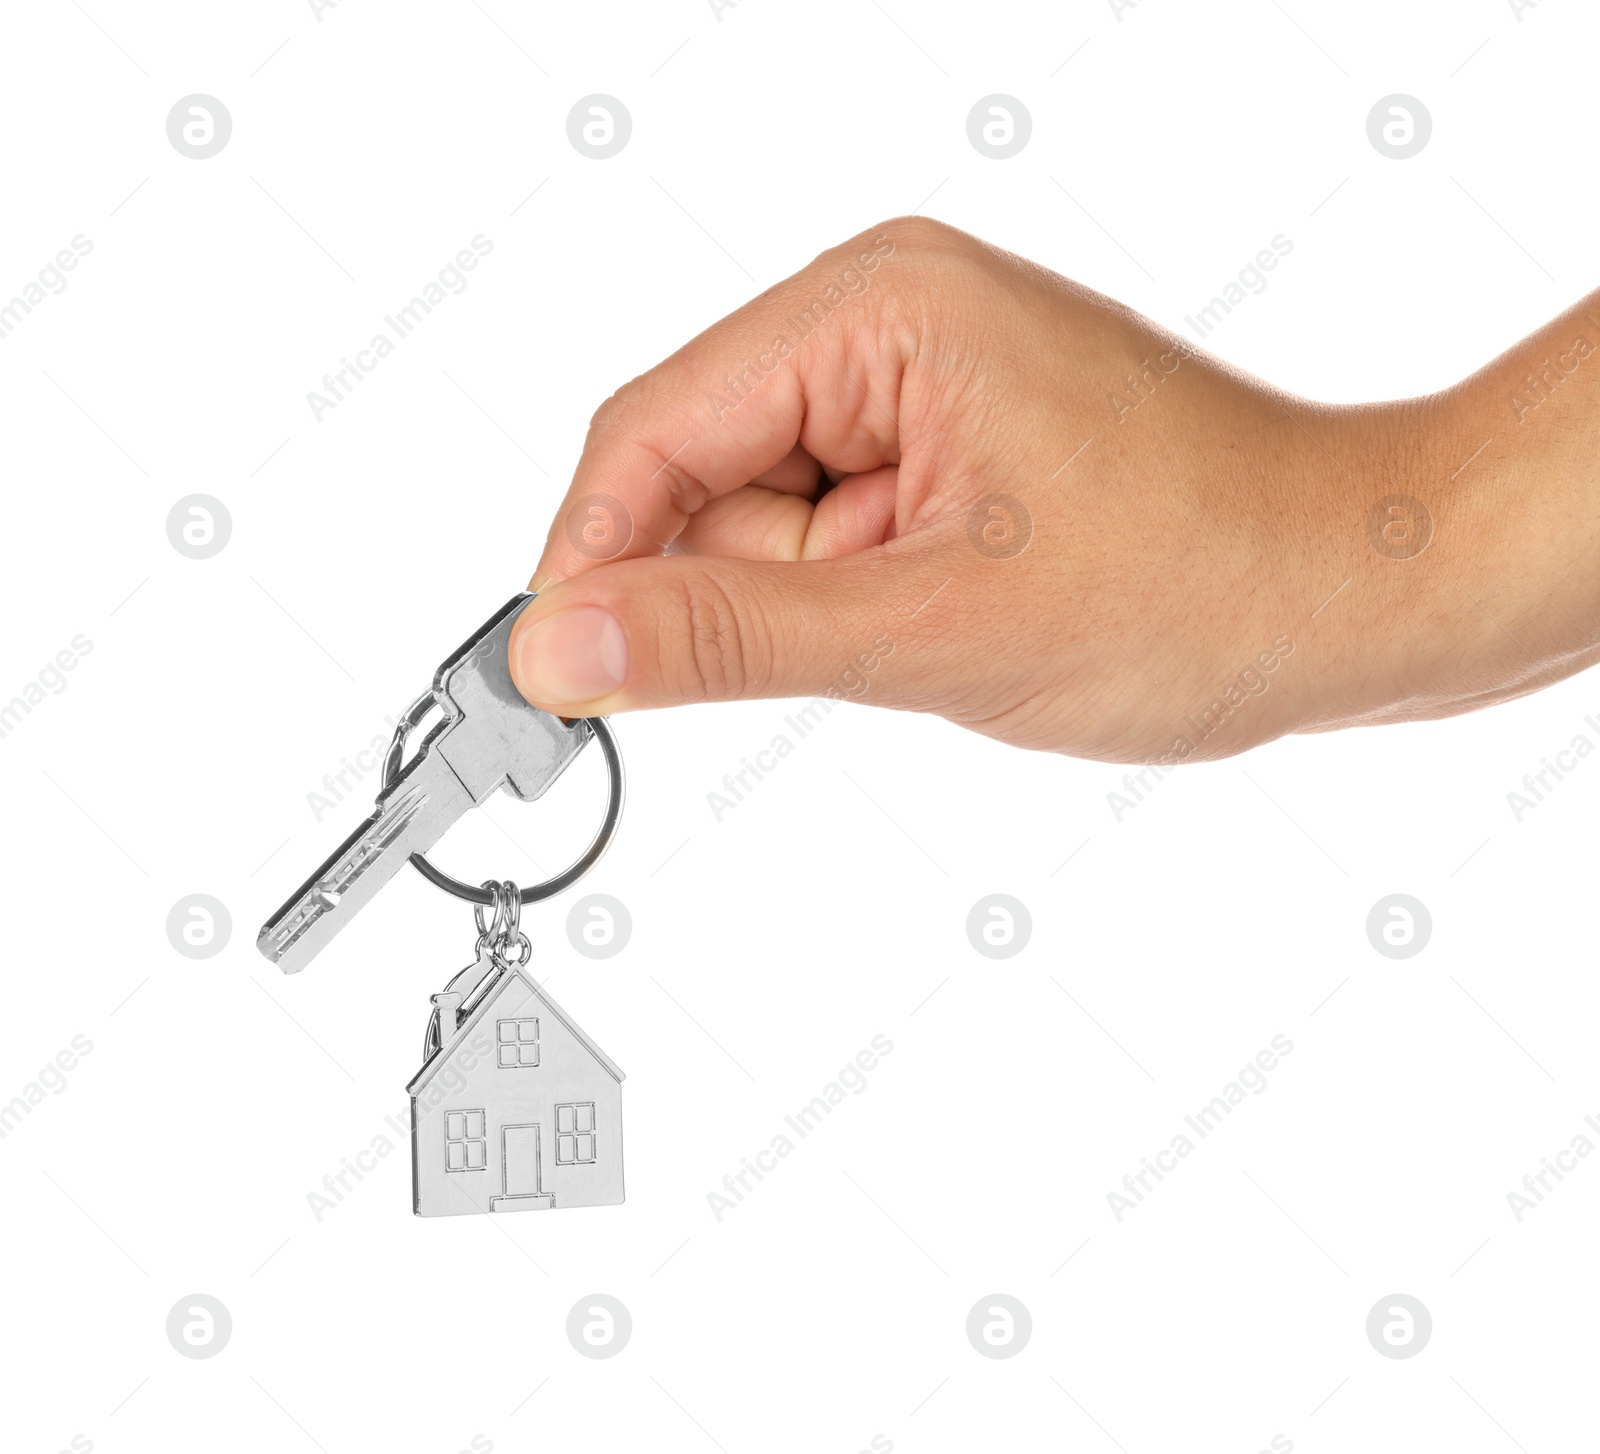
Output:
x=515 y=1108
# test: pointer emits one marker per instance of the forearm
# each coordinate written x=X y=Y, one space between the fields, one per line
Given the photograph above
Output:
x=1504 y=598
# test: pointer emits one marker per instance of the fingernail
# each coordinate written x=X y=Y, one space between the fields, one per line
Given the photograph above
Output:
x=574 y=655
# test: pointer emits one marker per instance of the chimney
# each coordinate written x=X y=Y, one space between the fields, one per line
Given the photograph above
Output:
x=448 y=1005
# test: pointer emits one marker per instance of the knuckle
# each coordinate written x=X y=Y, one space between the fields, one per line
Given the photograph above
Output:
x=606 y=419
x=922 y=266
x=603 y=422
x=718 y=645
x=921 y=244
x=918 y=231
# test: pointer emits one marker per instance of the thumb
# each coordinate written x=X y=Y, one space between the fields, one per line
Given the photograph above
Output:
x=665 y=631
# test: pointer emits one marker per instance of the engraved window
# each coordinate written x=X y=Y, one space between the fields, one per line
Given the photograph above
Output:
x=575 y=1134
x=466 y=1147
x=518 y=1043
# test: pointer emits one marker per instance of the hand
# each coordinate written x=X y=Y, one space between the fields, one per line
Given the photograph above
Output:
x=927 y=474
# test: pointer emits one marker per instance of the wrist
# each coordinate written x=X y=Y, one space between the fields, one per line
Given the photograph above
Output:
x=1475 y=575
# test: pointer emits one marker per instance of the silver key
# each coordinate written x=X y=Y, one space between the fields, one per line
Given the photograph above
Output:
x=490 y=737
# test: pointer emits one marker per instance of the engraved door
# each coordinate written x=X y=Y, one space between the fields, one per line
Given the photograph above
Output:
x=520 y=1160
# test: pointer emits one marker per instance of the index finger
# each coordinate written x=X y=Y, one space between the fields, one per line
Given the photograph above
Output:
x=807 y=363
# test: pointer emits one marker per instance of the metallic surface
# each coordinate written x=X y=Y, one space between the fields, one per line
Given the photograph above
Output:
x=488 y=737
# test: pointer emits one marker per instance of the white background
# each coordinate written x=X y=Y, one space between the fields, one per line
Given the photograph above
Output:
x=370 y=144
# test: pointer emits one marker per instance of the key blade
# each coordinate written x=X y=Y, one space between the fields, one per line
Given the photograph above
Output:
x=412 y=815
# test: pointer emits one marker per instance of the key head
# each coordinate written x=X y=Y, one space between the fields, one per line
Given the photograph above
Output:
x=496 y=737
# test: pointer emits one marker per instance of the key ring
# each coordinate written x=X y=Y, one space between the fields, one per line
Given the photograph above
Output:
x=492 y=933
x=504 y=934
x=485 y=896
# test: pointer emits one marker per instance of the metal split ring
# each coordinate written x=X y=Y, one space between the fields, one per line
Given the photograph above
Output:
x=494 y=932
x=504 y=933
x=485 y=896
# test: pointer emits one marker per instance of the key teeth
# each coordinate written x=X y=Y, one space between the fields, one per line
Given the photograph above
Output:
x=270 y=949
x=277 y=939
x=322 y=896
x=277 y=959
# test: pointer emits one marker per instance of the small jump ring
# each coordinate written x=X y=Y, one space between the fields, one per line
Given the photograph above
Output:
x=601 y=731
x=497 y=929
x=523 y=948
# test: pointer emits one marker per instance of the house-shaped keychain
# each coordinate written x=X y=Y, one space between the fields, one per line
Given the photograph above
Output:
x=515 y=1108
